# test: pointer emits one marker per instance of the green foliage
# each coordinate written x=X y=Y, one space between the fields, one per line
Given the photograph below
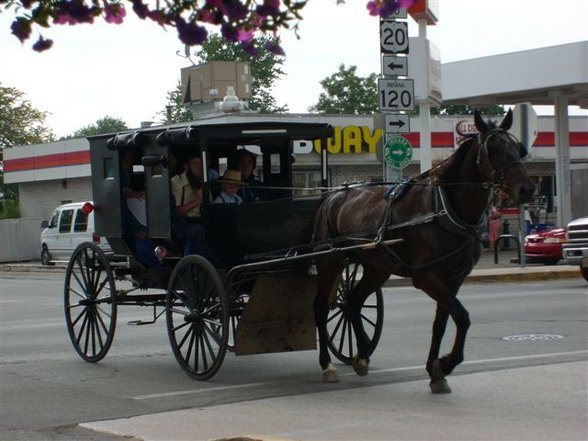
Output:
x=347 y=93
x=20 y=122
x=175 y=103
x=107 y=124
x=266 y=68
x=9 y=209
x=462 y=110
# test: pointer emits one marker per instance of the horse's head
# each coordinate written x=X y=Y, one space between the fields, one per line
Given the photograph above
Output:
x=499 y=158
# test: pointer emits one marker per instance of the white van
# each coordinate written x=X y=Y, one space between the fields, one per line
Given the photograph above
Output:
x=69 y=226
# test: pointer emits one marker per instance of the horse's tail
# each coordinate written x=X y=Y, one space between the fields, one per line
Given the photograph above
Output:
x=321 y=227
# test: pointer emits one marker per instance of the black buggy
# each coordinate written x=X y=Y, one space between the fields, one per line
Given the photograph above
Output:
x=259 y=299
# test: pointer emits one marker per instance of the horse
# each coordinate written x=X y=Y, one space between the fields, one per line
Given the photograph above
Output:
x=437 y=214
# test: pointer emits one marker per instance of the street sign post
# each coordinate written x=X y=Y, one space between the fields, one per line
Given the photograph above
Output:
x=395 y=94
x=396 y=123
x=394 y=66
x=397 y=152
x=394 y=37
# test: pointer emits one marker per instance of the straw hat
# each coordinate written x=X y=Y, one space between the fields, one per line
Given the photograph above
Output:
x=231 y=177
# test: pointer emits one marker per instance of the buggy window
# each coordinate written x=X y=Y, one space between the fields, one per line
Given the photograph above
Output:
x=81 y=222
x=65 y=221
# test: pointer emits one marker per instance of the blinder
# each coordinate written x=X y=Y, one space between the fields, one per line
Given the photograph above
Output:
x=499 y=172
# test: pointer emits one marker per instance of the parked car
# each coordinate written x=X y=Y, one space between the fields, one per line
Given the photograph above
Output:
x=575 y=250
x=69 y=226
x=545 y=246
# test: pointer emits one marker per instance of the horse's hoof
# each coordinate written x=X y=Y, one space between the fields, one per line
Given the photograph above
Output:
x=360 y=366
x=437 y=373
x=330 y=374
x=440 y=387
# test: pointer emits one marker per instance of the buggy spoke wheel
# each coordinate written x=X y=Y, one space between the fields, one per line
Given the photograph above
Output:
x=342 y=341
x=197 y=315
x=90 y=302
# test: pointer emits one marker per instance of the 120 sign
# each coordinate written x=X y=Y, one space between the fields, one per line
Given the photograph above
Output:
x=395 y=94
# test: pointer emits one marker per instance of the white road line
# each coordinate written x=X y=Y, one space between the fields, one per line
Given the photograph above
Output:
x=198 y=391
x=377 y=371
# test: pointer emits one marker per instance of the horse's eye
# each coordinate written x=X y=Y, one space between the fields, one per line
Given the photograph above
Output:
x=522 y=150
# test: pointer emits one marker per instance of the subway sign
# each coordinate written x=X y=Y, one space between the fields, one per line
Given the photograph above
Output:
x=345 y=140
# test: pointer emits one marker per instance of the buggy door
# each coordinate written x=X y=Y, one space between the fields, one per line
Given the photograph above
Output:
x=157 y=190
x=106 y=188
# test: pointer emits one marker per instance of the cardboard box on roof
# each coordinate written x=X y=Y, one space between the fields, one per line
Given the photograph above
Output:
x=198 y=81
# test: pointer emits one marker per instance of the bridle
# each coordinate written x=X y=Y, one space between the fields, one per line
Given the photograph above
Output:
x=497 y=173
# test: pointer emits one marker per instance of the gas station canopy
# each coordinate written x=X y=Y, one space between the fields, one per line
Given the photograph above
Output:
x=537 y=76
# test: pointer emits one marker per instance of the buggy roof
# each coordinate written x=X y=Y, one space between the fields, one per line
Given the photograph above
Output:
x=223 y=132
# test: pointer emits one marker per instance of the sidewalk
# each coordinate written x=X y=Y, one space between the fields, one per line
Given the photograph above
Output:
x=532 y=403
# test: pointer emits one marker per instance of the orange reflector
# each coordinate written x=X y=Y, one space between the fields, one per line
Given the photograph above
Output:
x=87 y=208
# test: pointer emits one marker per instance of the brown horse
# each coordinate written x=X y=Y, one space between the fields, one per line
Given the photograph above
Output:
x=437 y=214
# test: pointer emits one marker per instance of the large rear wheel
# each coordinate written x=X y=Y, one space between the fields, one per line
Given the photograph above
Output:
x=197 y=317
x=90 y=302
x=342 y=341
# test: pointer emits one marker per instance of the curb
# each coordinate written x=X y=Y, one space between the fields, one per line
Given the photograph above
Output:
x=503 y=278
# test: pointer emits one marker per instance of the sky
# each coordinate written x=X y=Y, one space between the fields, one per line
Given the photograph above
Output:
x=126 y=71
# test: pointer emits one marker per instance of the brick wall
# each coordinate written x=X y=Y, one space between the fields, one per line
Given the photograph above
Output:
x=39 y=199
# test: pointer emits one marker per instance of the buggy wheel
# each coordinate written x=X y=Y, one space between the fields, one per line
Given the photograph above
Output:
x=90 y=302
x=342 y=341
x=197 y=314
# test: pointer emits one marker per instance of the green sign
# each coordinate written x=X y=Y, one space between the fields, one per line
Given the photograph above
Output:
x=397 y=152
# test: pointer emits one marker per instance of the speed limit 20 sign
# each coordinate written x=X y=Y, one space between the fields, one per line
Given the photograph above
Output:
x=395 y=94
x=394 y=37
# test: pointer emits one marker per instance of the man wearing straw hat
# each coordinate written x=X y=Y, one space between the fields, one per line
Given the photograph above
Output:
x=230 y=184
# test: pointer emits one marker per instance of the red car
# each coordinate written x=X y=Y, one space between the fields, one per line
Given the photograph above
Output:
x=545 y=246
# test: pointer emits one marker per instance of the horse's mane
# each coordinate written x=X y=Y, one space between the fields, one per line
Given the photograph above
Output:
x=448 y=169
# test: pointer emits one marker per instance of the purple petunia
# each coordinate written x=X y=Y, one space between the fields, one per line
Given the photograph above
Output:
x=275 y=48
x=190 y=33
x=21 y=28
x=42 y=44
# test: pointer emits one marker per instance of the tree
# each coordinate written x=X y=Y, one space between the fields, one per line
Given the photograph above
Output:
x=467 y=110
x=20 y=124
x=460 y=109
x=175 y=111
x=266 y=68
x=107 y=124
x=238 y=20
x=347 y=93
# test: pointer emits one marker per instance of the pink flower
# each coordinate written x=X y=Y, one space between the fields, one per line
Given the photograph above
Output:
x=245 y=35
x=114 y=13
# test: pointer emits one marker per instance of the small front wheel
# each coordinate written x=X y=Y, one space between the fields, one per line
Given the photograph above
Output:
x=90 y=302
x=197 y=314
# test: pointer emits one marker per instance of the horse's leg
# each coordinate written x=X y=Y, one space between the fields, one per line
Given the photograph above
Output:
x=438 y=385
x=329 y=273
x=370 y=281
x=447 y=305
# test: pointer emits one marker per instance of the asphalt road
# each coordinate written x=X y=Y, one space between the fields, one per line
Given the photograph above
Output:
x=46 y=389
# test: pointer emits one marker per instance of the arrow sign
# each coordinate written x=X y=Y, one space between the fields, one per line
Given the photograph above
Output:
x=395 y=66
x=396 y=123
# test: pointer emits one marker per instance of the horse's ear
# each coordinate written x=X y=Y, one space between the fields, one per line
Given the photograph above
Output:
x=507 y=121
x=480 y=123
